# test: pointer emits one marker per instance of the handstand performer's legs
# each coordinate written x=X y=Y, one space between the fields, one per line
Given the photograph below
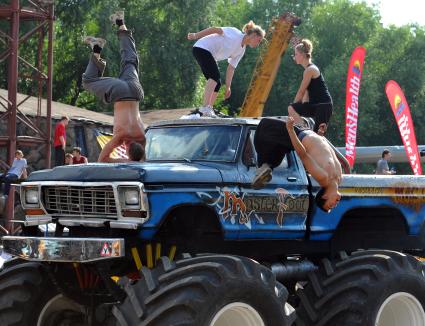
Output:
x=129 y=72
x=95 y=68
x=129 y=57
x=92 y=80
x=127 y=86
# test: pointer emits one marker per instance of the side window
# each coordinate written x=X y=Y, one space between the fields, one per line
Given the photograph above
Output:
x=249 y=155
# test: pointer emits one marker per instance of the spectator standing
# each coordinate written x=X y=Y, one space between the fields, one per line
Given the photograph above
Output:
x=59 y=141
x=16 y=171
x=313 y=98
x=382 y=165
x=77 y=157
x=68 y=158
x=217 y=44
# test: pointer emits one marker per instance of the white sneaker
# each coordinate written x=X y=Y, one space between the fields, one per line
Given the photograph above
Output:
x=92 y=41
x=191 y=116
x=207 y=111
x=118 y=15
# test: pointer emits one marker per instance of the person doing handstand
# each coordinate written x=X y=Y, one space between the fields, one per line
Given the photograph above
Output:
x=273 y=140
x=313 y=98
x=125 y=91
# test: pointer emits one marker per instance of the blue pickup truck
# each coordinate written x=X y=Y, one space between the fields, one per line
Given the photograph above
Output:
x=183 y=239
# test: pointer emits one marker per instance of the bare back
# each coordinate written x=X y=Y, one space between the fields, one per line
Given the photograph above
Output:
x=127 y=122
x=324 y=156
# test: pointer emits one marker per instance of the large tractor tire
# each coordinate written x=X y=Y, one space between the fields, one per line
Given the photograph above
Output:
x=368 y=288
x=206 y=290
x=28 y=298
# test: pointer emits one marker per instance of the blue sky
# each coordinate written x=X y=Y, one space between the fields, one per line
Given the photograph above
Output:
x=400 y=12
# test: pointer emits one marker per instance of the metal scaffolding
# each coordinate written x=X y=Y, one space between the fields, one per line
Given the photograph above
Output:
x=34 y=20
x=26 y=25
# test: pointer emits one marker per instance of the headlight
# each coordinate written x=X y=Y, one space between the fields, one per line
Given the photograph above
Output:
x=31 y=196
x=131 y=197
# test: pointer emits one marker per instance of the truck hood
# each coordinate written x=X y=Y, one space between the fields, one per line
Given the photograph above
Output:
x=143 y=172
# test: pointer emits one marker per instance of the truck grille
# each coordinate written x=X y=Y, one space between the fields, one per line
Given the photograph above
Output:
x=81 y=201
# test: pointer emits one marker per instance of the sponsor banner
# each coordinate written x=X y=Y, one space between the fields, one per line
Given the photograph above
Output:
x=405 y=124
x=354 y=75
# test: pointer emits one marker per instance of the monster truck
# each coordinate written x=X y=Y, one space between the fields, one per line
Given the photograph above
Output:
x=183 y=238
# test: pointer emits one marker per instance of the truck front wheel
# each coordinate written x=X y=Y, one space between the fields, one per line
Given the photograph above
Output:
x=27 y=297
x=210 y=290
x=368 y=288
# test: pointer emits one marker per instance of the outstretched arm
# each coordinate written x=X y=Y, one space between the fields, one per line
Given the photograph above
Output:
x=309 y=163
x=205 y=32
x=107 y=150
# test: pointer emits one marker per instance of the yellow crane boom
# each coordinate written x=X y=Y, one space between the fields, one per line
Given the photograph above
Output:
x=277 y=40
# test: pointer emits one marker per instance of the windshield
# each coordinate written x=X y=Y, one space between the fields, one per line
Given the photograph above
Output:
x=210 y=143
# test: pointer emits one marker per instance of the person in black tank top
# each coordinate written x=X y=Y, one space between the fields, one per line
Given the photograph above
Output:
x=313 y=98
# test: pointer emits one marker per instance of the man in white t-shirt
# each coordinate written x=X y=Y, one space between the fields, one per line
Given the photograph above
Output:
x=17 y=170
x=221 y=43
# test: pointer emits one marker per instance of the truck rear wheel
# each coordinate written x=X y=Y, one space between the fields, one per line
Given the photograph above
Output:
x=368 y=288
x=27 y=297
x=211 y=290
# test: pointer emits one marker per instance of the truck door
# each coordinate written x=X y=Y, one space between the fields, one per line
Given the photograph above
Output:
x=279 y=210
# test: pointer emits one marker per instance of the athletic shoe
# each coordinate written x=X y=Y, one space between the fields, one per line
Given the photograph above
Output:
x=208 y=112
x=92 y=41
x=118 y=15
x=262 y=176
x=191 y=116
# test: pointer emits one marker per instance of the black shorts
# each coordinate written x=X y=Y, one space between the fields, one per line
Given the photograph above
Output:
x=208 y=65
x=320 y=112
x=272 y=141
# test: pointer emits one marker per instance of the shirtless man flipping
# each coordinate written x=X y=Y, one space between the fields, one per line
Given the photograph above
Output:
x=125 y=91
x=272 y=141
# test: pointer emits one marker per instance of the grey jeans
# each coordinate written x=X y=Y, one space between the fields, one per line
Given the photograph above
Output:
x=127 y=85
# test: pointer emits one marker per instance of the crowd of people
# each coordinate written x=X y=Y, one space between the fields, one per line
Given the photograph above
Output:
x=59 y=144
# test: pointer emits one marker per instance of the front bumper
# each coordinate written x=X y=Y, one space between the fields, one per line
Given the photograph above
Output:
x=80 y=250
